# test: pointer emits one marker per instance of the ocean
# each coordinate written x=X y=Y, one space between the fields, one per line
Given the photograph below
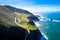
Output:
x=49 y=25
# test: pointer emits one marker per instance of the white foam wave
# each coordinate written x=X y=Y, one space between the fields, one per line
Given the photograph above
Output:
x=45 y=36
x=37 y=24
x=47 y=27
x=48 y=19
x=43 y=20
x=56 y=20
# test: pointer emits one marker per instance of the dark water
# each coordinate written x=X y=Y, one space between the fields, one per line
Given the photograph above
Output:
x=51 y=28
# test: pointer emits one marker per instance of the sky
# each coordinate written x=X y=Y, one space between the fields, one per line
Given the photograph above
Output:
x=34 y=6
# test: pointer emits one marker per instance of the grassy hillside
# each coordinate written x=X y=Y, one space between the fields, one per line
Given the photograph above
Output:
x=11 y=16
x=16 y=24
x=22 y=20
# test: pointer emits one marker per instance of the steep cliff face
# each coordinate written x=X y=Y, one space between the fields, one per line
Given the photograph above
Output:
x=14 y=23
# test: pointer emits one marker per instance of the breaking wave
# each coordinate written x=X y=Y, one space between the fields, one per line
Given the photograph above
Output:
x=38 y=26
x=41 y=18
x=56 y=20
x=44 y=35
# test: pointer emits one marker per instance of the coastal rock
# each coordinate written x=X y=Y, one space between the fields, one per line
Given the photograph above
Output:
x=9 y=30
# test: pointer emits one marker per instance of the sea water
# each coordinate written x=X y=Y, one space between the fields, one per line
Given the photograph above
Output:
x=50 y=28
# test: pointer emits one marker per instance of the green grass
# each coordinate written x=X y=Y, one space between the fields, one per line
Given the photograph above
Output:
x=22 y=17
x=22 y=21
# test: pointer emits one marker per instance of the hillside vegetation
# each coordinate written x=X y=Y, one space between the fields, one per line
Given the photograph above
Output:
x=22 y=20
x=11 y=16
x=18 y=24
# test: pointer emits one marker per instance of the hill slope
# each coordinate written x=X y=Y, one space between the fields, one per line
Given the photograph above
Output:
x=14 y=23
x=8 y=15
